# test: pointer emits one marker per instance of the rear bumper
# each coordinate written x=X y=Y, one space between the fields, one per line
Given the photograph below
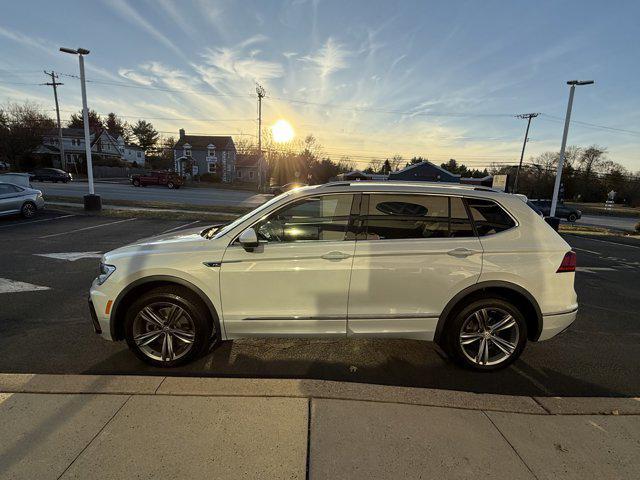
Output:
x=556 y=323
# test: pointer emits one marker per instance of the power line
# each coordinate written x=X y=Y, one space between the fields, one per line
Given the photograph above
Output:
x=592 y=125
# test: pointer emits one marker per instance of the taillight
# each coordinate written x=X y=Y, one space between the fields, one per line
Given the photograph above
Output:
x=568 y=263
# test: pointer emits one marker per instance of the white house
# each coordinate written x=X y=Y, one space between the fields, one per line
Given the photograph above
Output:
x=103 y=145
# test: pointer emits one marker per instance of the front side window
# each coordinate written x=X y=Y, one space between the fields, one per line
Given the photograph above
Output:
x=398 y=216
x=323 y=218
x=489 y=217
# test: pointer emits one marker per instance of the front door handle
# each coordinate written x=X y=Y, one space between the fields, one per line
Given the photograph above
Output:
x=335 y=256
x=461 y=252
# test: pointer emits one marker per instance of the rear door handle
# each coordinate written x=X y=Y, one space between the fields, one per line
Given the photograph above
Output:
x=335 y=256
x=461 y=252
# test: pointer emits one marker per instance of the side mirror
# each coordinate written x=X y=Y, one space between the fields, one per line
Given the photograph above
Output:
x=248 y=239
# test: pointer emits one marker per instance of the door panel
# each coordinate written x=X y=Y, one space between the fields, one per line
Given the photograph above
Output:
x=399 y=286
x=286 y=289
x=296 y=282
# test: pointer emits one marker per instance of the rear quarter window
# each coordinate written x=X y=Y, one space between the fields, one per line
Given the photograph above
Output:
x=489 y=217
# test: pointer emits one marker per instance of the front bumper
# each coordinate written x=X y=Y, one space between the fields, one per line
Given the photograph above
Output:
x=554 y=324
x=94 y=318
x=99 y=296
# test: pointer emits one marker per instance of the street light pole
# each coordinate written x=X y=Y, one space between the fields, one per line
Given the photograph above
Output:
x=91 y=201
x=85 y=120
x=567 y=120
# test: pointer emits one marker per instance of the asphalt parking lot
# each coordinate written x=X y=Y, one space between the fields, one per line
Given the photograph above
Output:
x=47 y=265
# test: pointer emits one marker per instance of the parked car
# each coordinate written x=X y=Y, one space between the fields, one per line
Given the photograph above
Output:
x=18 y=199
x=475 y=270
x=277 y=190
x=4 y=166
x=51 y=175
x=562 y=210
x=160 y=177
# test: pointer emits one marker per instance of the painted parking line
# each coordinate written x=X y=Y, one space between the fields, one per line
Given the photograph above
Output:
x=607 y=241
x=595 y=269
x=14 y=286
x=87 y=228
x=70 y=256
x=37 y=221
x=179 y=227
x=588 y=251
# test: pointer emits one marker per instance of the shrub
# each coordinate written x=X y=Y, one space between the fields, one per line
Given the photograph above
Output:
x=210 y=177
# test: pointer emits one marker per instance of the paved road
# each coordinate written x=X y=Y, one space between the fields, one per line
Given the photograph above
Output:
x=194 y=196
x=620 y=223
x=48 y=330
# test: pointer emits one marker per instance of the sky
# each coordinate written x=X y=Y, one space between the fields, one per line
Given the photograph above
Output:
x=367 y=78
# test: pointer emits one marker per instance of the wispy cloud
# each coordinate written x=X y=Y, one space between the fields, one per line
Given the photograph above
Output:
x=135 y=77
x=175 y=15
x=27 y=40
x=330 y=58
x=127 y=12
x=226 y=63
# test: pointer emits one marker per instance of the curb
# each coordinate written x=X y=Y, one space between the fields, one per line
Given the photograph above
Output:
x=318 y=389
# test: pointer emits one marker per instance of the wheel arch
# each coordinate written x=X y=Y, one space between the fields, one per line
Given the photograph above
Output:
x=138 y=287
x=509 y=291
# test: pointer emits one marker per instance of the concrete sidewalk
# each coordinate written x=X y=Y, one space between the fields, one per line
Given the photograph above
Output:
x=174 y=427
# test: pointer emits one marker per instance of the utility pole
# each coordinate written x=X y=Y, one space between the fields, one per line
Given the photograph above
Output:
x=54 y=84
x=528 y=116
x=567 y=120
x=261 y=93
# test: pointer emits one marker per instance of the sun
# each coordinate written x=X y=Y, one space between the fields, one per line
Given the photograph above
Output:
x=282 y=131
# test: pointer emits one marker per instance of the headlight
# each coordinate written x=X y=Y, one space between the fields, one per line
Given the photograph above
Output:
x=105 y=272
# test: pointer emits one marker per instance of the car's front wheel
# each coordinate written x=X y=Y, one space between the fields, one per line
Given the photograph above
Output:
x=487 y=334
x=168 y=326
x=171 y=185
x=28 y=210
x=136 y=182
x=572 y=217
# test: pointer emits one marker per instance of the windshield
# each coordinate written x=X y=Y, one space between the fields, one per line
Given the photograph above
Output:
x=238 y=221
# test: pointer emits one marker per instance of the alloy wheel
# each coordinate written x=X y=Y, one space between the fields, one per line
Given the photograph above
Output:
x=164 y=331
x=489 y=336
x=28 y=210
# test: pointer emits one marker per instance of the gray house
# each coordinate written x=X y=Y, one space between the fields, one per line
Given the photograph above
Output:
x=201 y=154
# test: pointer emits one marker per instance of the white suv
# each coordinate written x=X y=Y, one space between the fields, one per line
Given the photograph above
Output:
x=476 y=270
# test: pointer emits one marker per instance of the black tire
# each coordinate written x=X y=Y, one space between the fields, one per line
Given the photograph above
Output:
x=136 y=182
x=171 y=185
x=572 y=217
x=464 y=317
x=28 y=210
x=190 y=303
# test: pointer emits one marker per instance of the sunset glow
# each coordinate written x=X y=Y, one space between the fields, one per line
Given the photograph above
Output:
x=282 y=131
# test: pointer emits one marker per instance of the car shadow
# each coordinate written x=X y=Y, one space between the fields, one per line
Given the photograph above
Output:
x=412 y=364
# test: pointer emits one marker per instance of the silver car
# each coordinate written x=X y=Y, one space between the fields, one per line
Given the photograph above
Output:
x=17 y=199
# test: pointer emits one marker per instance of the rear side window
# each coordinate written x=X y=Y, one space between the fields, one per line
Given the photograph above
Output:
x=395 y=217
x=489 y=217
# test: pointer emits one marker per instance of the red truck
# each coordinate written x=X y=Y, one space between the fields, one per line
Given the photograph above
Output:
x=160 y=177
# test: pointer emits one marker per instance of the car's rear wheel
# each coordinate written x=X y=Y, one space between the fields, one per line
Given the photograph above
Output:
x=168 y=326
x=28 y=209
x=572 y=217
x=487 y=334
